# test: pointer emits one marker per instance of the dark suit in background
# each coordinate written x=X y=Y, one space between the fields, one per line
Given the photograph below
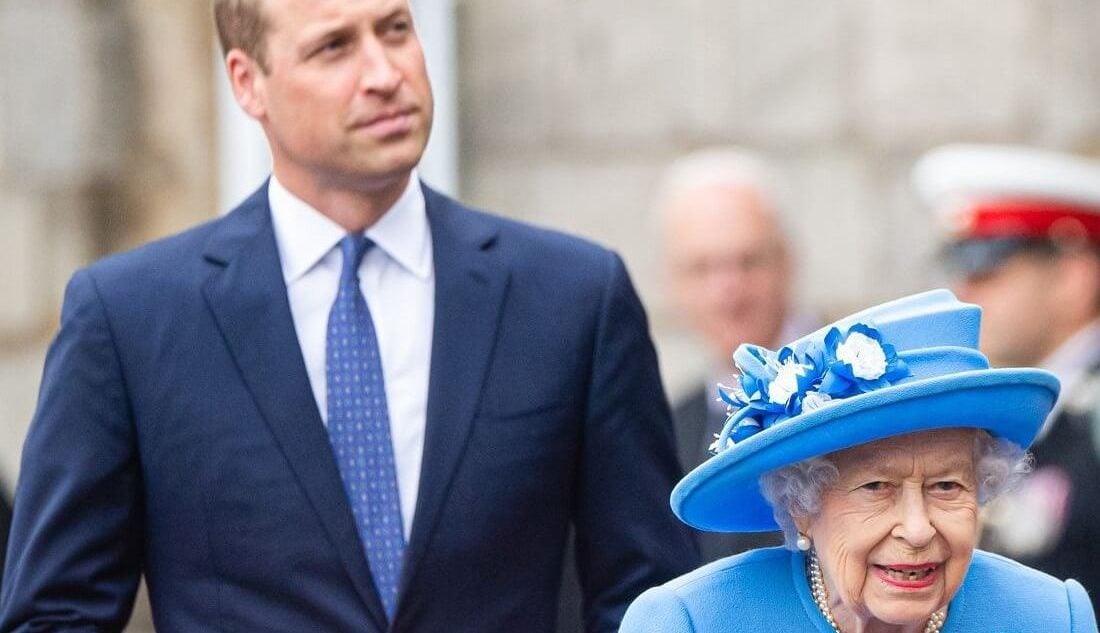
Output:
x=177 y=436
x=696 y=422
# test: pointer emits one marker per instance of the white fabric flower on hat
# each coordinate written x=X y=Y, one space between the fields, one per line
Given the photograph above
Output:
x=786 y=382
x=815 y=400
x=864 y=354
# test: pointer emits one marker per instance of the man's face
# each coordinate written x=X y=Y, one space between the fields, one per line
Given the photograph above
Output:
x=728 y=267
x=1016 y=297
x=345 y=100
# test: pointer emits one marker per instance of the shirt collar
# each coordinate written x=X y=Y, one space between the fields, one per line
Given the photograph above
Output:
x=304 y=235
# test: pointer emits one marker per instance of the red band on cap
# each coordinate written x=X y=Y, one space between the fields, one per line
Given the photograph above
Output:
x=1029 y=218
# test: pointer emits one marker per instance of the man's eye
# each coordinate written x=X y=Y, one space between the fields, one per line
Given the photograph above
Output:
x=398 y=29
x=333 y=45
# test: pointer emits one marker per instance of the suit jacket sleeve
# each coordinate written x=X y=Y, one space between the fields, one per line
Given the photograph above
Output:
x=74 y=555
x=627 y=537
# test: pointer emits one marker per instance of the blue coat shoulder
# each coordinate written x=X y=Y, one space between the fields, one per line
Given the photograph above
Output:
x=765 y=590
x=1000 y=594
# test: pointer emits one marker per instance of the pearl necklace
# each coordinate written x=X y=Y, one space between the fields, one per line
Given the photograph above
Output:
x=821 y=597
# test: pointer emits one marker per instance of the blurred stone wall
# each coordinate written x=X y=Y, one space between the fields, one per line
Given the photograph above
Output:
x=106 y=141
x=570 y=110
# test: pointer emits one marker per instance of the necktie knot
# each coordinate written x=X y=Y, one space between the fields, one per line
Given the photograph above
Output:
x=354 y=246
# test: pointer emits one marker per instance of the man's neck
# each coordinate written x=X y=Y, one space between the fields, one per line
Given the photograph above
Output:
x=354 y=207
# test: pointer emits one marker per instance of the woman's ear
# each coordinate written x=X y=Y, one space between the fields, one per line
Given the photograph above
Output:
x=803 y=524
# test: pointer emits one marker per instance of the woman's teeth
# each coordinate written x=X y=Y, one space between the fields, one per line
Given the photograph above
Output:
x=908 y=574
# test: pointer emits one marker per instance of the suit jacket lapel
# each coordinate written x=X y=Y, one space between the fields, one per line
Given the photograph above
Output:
x=248 y=298
x=470 y=285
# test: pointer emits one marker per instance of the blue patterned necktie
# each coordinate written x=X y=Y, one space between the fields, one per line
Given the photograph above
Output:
x=359 y=426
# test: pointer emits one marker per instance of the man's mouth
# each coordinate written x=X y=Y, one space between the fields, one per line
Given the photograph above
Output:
x=388 y=123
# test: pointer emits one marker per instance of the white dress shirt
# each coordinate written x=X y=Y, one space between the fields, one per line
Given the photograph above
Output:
x=397 y=278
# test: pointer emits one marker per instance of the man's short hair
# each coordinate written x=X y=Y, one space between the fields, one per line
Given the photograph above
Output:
x=242 y=24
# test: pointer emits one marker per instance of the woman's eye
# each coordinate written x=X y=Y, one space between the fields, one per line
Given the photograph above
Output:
x=947 y=486
x=874 y=486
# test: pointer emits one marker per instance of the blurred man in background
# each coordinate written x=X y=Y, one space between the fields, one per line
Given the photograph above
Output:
x=728 y=266
x=1024 y=244
x=728 y=270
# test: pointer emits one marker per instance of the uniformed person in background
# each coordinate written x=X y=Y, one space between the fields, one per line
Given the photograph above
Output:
x=1023 y=242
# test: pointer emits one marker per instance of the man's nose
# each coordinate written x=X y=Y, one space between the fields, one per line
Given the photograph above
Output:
x=380 y=74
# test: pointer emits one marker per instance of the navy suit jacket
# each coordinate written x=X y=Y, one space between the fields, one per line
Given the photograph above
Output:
x=176 y=435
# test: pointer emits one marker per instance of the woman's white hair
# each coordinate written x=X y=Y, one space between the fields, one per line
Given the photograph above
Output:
x=795 y=491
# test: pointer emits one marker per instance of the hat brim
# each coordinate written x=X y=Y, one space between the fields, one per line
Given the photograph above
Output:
x=723 y=493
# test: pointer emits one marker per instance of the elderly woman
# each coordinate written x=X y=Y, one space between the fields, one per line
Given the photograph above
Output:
x=873 y=444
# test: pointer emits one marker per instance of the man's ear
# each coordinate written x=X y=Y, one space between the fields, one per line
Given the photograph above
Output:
x=246 y=78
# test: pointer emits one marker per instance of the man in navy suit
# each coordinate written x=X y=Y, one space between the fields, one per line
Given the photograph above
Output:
x=191 y=419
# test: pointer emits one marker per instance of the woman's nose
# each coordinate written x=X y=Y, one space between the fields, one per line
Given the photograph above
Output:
x=914 y=525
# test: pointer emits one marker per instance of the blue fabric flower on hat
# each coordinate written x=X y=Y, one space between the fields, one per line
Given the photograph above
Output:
x=773 y=387
x=859 y=361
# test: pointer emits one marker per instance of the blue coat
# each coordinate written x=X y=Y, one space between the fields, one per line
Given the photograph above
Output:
x=177 y=436
x=766 y=591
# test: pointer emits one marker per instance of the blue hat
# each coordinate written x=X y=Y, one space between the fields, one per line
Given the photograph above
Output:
x=905 y=366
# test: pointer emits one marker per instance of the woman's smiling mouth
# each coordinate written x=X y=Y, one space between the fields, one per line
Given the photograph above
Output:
x=907 y=576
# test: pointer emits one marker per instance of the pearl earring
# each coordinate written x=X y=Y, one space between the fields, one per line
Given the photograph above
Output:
x=803 y=542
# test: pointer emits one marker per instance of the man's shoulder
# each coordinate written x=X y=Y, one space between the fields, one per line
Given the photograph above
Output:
x=166 y=252
x=177 y=255
x=512 y=235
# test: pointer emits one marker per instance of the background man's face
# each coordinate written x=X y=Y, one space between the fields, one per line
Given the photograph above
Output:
x=1017 y=300
x=728 y=267
x=346 y=97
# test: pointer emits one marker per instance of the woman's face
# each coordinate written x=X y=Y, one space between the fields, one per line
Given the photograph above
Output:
x=895 y=533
